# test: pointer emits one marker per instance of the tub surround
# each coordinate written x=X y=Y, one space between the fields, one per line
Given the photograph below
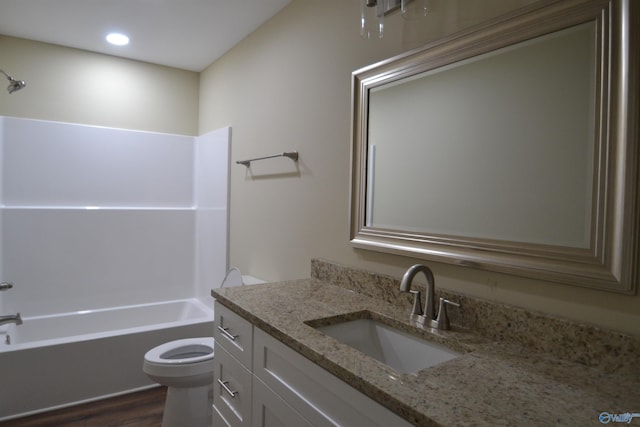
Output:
x=501 y=378
x=110 y=217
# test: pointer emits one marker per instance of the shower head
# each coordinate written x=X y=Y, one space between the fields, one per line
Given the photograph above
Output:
x=14 y=84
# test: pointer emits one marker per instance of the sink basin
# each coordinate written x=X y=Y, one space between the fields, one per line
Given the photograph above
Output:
x=402 y=351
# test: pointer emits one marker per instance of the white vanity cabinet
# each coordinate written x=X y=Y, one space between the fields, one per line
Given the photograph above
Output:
x=240 y=399
x=232 y=378
x=262 y=382
x=232 y=390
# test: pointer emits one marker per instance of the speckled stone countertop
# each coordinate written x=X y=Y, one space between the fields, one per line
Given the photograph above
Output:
x=492 y=384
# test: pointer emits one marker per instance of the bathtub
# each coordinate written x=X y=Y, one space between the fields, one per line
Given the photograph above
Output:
x=59 y=360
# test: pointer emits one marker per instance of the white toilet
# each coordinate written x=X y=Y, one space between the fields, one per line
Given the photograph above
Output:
x=186 y=368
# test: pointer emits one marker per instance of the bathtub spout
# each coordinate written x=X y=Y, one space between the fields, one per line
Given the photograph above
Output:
x=13 y=318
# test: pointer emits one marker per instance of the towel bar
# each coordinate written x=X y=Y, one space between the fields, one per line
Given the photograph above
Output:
x=293 y=155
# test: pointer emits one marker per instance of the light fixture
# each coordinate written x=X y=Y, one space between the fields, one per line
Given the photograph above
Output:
x=117 y=39
x=372 y=13
x=371 y=19
x=414 y=9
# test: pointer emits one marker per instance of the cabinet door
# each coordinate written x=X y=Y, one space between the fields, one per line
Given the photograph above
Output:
x=231 y=389
x=271 y=411
x=217 y=419
x=234 y=334
x=319 y=396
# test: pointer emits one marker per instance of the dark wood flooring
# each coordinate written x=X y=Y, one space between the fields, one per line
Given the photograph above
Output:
x=140 y=409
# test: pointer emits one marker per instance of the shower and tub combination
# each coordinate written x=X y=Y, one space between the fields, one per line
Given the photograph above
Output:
x=62 y=359
x=110 y=241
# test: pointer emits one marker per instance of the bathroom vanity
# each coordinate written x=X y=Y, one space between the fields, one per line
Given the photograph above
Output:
x=273 y=365
x=259 y=381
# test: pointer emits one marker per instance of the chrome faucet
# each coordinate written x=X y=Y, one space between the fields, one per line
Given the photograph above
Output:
x=405 y=286
x=12 y=318
x=429 y=316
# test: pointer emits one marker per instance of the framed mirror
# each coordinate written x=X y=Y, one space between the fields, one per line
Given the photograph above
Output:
x=510 y=147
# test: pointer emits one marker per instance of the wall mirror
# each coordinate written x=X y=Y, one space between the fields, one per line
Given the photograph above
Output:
x=511 y=147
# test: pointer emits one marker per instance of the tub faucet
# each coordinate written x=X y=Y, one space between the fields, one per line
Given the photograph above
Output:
x=429 y=316
x=12 y=318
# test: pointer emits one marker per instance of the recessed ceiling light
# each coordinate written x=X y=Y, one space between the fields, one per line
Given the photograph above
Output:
x=117 y=39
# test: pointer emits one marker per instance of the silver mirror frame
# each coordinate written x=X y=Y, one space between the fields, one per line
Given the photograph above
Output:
x=611 y=261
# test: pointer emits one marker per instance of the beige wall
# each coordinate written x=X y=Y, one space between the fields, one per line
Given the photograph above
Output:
x=286 y=87
x=71 y=85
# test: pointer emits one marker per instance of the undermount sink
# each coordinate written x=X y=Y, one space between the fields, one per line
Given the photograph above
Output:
x=398 y=349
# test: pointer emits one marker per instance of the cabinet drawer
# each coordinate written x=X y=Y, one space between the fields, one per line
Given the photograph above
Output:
x=233 y=333
x=231 y=389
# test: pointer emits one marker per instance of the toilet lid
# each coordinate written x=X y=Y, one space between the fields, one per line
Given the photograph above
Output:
x=180 y=352
x=233 y=278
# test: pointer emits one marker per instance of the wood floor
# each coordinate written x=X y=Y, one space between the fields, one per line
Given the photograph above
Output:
x=141 y=409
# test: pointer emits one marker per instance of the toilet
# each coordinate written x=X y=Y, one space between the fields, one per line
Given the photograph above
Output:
x=186 y=367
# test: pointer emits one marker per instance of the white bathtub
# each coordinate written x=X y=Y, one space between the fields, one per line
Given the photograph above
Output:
x=65 y=359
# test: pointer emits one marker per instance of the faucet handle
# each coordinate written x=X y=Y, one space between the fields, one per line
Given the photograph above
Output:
x=442 y=321
x=417 y=304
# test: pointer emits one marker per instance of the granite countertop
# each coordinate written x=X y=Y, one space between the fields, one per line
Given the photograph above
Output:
x=492 y=383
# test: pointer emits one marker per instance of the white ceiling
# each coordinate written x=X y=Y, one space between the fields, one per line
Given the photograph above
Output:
x=187 y=34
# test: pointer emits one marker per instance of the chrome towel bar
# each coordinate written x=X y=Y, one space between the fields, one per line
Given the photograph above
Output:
x=293 y=155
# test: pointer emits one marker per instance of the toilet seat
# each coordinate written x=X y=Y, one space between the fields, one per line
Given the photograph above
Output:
x=185 y=367
x=181 y=352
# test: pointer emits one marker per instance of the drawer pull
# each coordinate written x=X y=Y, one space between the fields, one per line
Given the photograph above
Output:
x=226 y=333
x=226 y=388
